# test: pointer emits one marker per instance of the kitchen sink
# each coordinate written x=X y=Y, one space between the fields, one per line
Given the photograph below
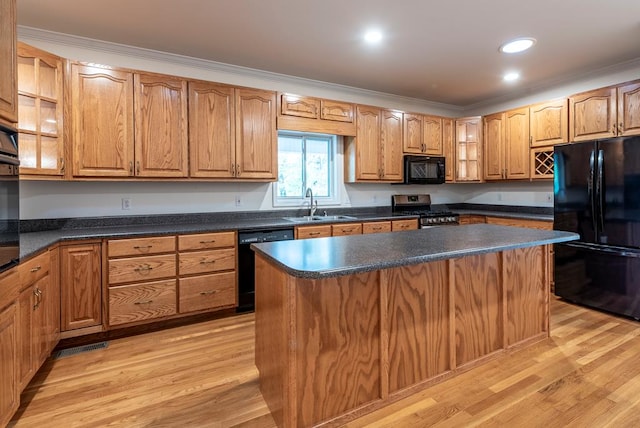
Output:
x=318 y=218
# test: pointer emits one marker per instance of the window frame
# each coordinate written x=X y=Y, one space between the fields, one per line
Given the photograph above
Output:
x=335 y=176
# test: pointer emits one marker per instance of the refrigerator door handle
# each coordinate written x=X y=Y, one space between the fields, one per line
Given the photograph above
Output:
x=592 y=198
x=616 y=251
x=600 y=190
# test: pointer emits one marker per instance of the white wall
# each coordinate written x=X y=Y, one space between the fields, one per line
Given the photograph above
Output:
x=78 y=199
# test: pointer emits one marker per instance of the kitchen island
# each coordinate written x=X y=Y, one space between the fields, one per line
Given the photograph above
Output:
x=346 y=325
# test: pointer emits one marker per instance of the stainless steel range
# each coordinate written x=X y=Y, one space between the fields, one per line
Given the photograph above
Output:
x=420 y=205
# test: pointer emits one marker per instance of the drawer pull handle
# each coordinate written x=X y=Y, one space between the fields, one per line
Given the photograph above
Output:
x=35 y=269
x=377 y=228
x=144 y=302
x=207 y=293
x=142 y=247
x=314 y=233
x=211 y=241
x=144 y=268
x=207 y=262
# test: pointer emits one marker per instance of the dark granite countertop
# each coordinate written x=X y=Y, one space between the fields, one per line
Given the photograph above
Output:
x=39 y=234
x=328 y=257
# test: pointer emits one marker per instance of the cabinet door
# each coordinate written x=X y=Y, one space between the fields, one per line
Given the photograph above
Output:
x=494 y=146
x=432 y=135
x=468 y=149
x=391 y=145
x=592 y=115
x=336 y=111
x=368 y=121
x=549 y=123
x=161 y=139
x=629 y=109
x=295 y=105
x=412 y=134
x=517 y=144
x=102 y=122
x=51 y=302
x=448 y=149
x=256 y=135
x=8 y=37
x=81 y=286
x=9 y=390
x=40 y=112
x=211 y=130
x=27 y=364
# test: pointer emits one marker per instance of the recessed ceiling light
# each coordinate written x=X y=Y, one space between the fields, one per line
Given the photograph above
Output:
x=517 y=45
x=373 y=36
x=510 y=77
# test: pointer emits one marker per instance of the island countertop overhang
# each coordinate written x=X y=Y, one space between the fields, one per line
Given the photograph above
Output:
x=337 y=256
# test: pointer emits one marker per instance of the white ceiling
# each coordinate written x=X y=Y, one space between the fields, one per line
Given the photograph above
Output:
x=445 y=51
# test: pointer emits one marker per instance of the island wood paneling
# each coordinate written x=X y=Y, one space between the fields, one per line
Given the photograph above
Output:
x=333 y=349
x=418 y=304
x=478 y=306
x=527 y=295
x=337 y=345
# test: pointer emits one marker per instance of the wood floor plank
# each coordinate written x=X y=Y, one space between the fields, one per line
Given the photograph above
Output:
x=587 y=374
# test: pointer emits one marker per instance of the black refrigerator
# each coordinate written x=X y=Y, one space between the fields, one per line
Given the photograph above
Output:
x=597 y=195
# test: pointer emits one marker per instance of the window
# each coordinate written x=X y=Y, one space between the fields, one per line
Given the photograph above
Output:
x=306 y=161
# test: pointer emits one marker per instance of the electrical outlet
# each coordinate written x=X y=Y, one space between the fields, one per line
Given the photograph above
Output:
x=238 y=201
x=126 y=203
x=549 y=197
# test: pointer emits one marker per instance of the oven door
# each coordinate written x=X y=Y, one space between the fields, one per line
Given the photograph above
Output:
x=9 y=201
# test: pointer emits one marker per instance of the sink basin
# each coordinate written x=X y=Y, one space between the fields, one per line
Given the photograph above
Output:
x=317 y=218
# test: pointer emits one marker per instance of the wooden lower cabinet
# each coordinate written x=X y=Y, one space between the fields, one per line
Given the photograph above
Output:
x=520 y=222
x=376 y=227
x=81 y=289
x=9 y=351
x=140 y=302
x=305 y=232
x=410 y=224
x=471 y=219
x=38 y=315
x=344 y=229
x=207 y=291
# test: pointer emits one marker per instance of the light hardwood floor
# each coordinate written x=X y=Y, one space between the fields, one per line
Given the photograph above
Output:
x=202 y=375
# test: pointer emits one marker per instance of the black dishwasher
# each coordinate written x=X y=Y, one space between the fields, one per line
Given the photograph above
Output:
x=246 y=262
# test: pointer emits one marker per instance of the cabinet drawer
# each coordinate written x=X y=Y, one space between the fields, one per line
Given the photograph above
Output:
x=141 y=246
x=131 y=303
x=313 y=231
x=397 y=225
x=376 y=227
x=346 y=229
x=142 y=268
x=207 y=261
x=33 y=269
x=207 y=292
x=205 y=241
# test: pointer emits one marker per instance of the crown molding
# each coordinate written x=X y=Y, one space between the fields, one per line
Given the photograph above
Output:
x=214 y=66
x=555 y=83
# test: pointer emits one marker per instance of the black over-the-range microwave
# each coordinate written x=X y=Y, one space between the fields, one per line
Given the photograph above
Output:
x=424 y=169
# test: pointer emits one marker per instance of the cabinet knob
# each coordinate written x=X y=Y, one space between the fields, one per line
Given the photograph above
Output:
x=208 y=293
x=237 y=174
x=130 y=167
x=62 y=165
x=233 y=170
x=620 y=128
x=137 y=167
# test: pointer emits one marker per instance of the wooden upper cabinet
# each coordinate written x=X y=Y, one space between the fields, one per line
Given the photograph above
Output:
x=40 y=108
x=629 y=109
x=432 y=135
x=412 y=134
x=8 y=38
x=593 y=115
x=256 y=134
x=161 y=138
x=494 y=135
x=391 y=145
x=211 y=130
x=368 y=126
x=294 y=105
x=468 y=146
x=517 y=144
x=336 y=111
x=448 y=149
x=102 y=122
x=549 y=123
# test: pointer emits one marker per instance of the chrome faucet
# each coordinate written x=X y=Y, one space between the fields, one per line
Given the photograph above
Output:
x=312 y=209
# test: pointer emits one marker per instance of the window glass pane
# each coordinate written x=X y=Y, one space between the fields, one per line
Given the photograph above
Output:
x=290 y=161
x=317 y=165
